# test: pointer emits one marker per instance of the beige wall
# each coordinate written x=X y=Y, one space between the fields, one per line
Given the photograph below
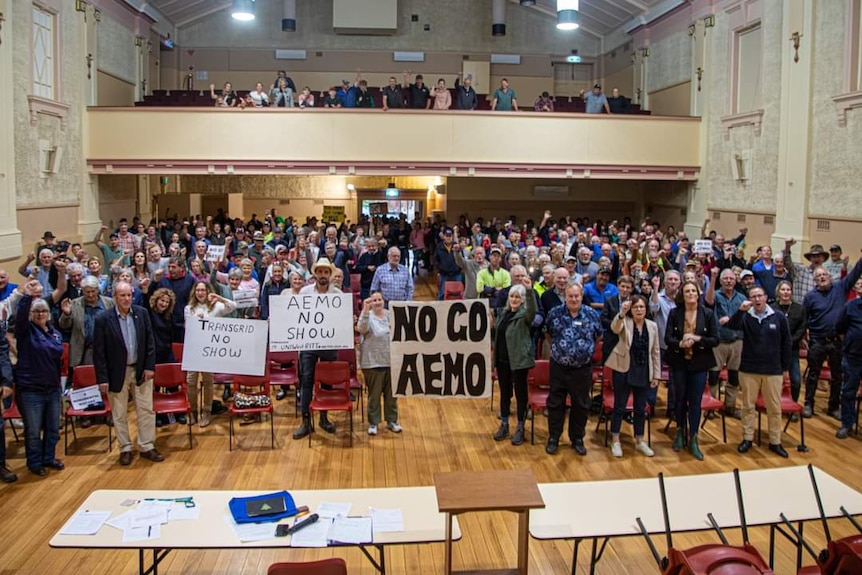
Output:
x=760 y=226
x=671 y=101
x=622 y=79
x=200 y=134
x=113 y=91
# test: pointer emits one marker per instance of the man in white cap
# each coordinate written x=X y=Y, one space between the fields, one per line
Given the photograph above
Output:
x=308 y=359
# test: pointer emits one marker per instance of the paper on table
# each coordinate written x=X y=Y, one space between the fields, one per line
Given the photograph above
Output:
x=251 y=531
x=144 y=533
x=155 y=503
x=387 y=520
x=122 y=521
x=85 y=523
x=353 y=530
x=148 y=516
x=328 y=509
x=315 y=535
x=179 y=512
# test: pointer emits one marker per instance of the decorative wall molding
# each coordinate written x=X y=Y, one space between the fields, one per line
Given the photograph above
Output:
x=47 y=107
x=753 y=118
x=844 y=103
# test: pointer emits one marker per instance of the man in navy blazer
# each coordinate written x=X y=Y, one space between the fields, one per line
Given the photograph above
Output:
x=124 y=356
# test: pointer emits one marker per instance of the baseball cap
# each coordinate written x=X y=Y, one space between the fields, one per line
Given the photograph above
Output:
x=258 y=236
x=447 y=231
x=242 y=246
x=571 y=259
x=495 y=250
x=745 y=273
x=604 y=270
x=599 y=86
x=834 y=248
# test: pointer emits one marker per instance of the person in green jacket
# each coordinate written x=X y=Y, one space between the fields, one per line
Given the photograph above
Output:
x=514 y=355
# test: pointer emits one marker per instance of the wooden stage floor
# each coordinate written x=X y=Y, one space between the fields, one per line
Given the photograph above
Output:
x=438 y=436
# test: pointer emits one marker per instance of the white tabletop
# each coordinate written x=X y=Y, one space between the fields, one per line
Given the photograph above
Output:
x=609 y=508
x=422 y=522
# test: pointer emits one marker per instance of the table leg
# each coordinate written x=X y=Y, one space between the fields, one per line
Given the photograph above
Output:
x=799 y=546
x=448 y=550
x=593 y=559
x=379 y=566
x=772 y=546
x=523 y=542
x=158 y=556
x=575 y=556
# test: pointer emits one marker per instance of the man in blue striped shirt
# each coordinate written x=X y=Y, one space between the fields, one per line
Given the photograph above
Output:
x=393 y=280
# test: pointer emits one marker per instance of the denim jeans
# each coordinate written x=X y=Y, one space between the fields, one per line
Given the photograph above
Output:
x=849 y=390
x=689 y=389
x=820 y=350
x=307 y=362
x=41 y=414
x=795 y=375
x=2 y=442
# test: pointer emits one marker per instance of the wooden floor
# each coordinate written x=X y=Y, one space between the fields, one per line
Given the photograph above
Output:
x=438 y=436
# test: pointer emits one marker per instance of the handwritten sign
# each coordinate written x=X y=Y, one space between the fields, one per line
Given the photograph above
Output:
x=311 y=321
x=215 y=253
x=333 y=213
x=85 y=397
x=245 y=298
x=440 y=349
x=225 y=345
x=703 y=246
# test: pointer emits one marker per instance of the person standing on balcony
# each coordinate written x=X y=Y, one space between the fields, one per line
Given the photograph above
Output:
x=595 y=101
x=465 y=95
x=442 y=96
x=505 y=99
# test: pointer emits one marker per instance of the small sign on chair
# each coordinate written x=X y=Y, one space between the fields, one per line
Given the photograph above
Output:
x=85 y=397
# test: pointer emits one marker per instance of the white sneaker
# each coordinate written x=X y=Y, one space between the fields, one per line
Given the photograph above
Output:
x=393 y=426
x=616 y=449
x=372 y=430
x=645 y=449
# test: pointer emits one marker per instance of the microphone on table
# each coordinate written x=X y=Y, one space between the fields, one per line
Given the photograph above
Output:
x=304 y=523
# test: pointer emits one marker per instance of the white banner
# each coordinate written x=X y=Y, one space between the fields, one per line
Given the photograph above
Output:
x=311 y=321
x=703 y=246
x=215 y=253
x=440 y=349
x=225 y=345
x=245 y=298
x=85 y=397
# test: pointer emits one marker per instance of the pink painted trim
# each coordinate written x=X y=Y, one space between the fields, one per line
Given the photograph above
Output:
x=851 y=47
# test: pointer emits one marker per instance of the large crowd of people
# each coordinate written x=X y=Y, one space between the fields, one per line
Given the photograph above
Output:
x=410 y=93
x=640 y=296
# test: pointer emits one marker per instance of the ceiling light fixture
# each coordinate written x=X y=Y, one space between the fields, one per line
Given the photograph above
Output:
x=568 y=17
x=243 y=10
x=528 y=2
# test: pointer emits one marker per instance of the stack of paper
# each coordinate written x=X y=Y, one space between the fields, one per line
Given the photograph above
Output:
x=314 y=535
x=387 y=520
x=85 y=523
x=351 y=530
x=251 y=531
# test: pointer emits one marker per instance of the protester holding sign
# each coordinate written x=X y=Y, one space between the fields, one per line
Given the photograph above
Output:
x=574 y=330
x=273 y=287
x=514 y=354
x=373 y=324
x=203 y=303
x=308 y=359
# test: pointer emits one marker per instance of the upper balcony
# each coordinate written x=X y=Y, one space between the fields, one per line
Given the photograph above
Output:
x=374 y=142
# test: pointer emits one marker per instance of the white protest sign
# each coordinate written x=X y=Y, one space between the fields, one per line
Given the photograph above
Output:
x=215 y=253
x=703 y=246
x=245 y=298
x=225 y=345
x=85 y=397
x=440 y=349
x=311 y=321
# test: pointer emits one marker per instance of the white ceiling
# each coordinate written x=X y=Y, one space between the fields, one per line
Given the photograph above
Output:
x=598 y=17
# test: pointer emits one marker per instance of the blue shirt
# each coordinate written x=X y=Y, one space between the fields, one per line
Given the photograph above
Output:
x=593 y=295
x=395 y=284
x=504 y=99
x=573 y=339
x=824 y=308
x=39 y=353
x=348 y=97
x=595 y=104
x=130 y=336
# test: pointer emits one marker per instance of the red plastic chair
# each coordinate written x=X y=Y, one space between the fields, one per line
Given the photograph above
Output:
x=284 y=371
x=251 y=385
x=64 y=361
x=709 y=403
x=538 y=388
x=717 y=559
x=177 y=348
x=788 y=406
x=333 y=566
x=453 y=290
x=597 y=370
x=349 y=355
x=355 y=282
x=608 y=406
x=12 y=412
x=85 y=376
x=169 y=393
x=335 y=375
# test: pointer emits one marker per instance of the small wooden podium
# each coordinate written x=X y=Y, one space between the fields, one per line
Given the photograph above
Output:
x=466 y=491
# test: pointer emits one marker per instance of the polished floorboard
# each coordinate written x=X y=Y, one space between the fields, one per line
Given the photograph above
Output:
x=439 y=435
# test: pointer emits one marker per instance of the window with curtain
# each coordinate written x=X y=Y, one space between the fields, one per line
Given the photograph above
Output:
x=43 y=54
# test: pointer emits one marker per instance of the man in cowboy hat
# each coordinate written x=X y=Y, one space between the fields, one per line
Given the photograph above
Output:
x=803 y=276
x=823 y=307
x=322 y=271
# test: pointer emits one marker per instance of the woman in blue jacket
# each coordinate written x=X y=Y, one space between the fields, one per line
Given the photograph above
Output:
x=37 y=381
